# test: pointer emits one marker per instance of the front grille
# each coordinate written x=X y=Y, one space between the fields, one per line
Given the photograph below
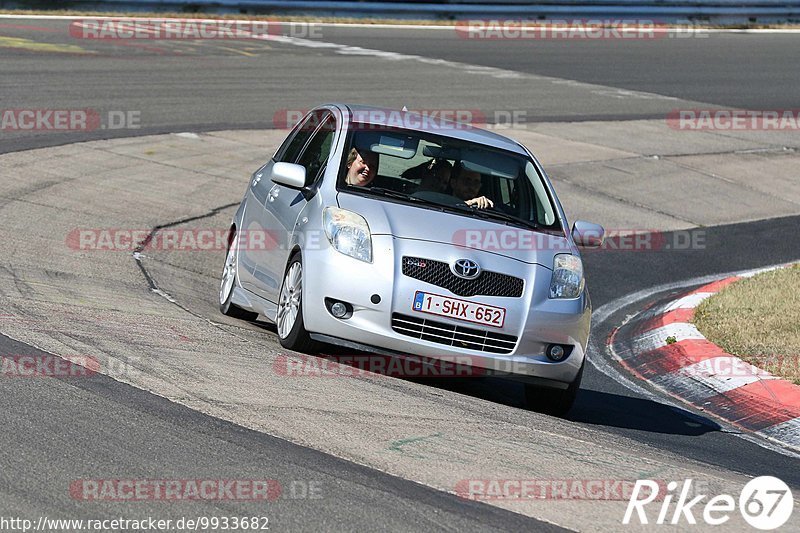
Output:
x=456 y=336
x=486 y=284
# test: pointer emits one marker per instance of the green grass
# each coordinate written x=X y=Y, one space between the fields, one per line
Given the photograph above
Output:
x=758 y=320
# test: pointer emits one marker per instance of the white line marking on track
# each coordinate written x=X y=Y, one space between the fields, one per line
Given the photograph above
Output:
x=688 y=302
x=494 y=72
x=657 y=338
x=789 y=430
x=759 y=271
x=720 y=383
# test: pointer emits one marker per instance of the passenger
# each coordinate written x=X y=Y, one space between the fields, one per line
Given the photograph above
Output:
x=437 y=177
x=416 y=172
x=361 y=168
x=434 y=175
x=466 y=184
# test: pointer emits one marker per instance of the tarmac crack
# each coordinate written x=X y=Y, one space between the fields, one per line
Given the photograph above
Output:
x=138 y=257
x=163 y=164
x=626 y=201
x=137 y=253
x=732 y=182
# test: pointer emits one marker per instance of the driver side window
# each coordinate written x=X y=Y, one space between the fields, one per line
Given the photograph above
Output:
x=315 y=155
x=291 y=148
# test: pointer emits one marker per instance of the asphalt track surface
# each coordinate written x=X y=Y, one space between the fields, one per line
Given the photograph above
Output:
x=57 y=432
x=52 y=427
x=704 y=67
x=215 y=85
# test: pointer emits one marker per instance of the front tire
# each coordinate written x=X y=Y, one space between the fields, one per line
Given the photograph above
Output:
x=292 y=333
x=229 y=282
x=556 y=402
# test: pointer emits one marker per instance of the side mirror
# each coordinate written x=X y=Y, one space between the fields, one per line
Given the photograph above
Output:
x=588 y=235
x=289 y=174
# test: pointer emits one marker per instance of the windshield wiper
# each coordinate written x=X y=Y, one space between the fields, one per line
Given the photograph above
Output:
x=380 y=191
x=388 y=192
x=494 y=214
x=485 y=214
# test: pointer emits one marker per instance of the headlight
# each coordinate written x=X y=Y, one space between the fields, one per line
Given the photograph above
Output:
x=567 y=279
x=348 y=233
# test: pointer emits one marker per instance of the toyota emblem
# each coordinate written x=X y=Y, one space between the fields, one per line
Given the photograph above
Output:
x=466 y=268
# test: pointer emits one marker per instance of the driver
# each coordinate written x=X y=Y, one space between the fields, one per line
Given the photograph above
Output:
x=466 y=185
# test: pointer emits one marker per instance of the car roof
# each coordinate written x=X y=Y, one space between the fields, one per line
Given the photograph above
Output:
x=385 y=116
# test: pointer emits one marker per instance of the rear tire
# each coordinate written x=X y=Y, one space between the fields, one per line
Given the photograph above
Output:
x=229 y=282
x=556 y=402
x=292 y=333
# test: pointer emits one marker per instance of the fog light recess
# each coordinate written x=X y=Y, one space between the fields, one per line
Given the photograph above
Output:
x=557 y=352
x=338 y=309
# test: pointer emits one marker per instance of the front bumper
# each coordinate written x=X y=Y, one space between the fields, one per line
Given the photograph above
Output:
x=533 y=318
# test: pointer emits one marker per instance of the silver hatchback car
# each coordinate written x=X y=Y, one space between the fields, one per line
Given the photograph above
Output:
x=407 y=235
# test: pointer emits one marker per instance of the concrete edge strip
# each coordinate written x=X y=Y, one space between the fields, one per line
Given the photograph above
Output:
x=665 y=349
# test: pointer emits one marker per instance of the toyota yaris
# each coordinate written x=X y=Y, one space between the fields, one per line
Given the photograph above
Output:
x=404 y=234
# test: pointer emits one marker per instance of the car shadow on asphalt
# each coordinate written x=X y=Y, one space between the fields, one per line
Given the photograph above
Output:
x=614 y=410
x=591 y=407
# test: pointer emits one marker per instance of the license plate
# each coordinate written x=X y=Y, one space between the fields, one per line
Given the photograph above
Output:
x=435 y=304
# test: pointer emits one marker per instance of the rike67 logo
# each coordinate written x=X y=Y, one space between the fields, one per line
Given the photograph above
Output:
x=765 y=503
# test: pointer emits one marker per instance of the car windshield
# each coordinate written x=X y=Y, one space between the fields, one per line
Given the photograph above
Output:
x=438 y=172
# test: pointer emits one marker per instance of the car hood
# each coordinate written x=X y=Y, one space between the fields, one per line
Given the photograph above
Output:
x=411 y=222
